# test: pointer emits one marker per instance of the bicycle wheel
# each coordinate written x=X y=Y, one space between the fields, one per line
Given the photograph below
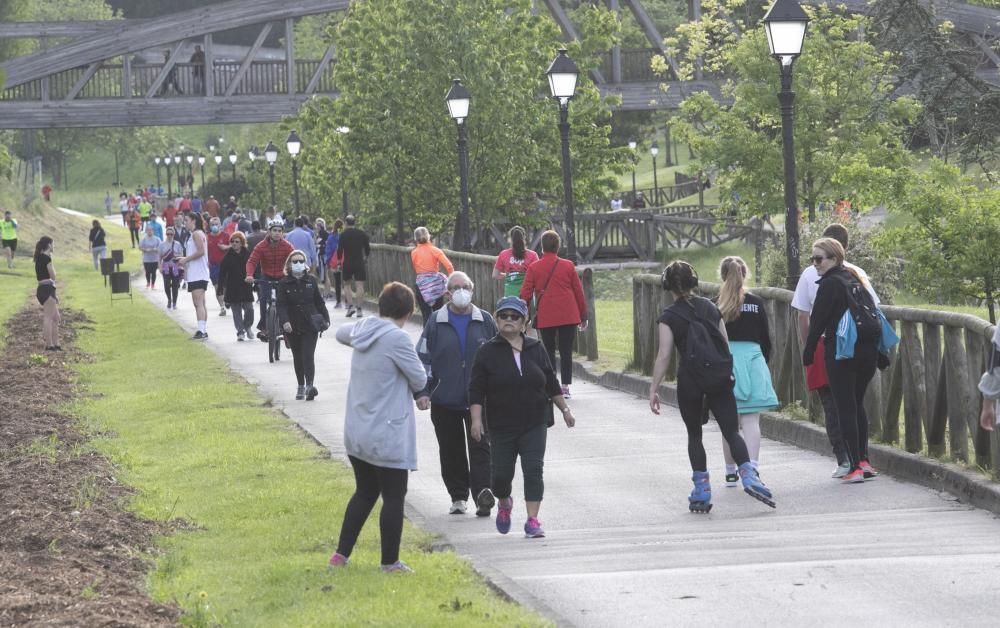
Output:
x=273 y=343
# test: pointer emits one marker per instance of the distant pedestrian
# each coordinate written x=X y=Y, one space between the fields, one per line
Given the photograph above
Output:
x=302 y=239
x=236 y=293
x=123 y=206
x=46 y=293
x=514 y=381
x=616 y=203
x=639 y=202
x=212 y=206
x=150 y=247
x=694 y=325
x=353 y=251
x=271 y=253
x=561 y=307
x=334 y=278
x=196 y=272
x=155 y=224
x=170 y=251
x=108 y=202
x=8 y=237
x=380 y=427
x=512 y=264
x=989 y=386
x=197 y=62
x=134 y=222
x=431 y=284
x=98 y=244
x=448 y=347
x=218 y=244
x=302 y=315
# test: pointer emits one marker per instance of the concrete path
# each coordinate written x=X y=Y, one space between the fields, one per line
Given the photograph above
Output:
x=622 y=548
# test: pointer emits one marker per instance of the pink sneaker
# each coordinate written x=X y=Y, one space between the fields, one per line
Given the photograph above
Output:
x=338 y=560
x=533 y=529
x=504 y=507
x=868 y=469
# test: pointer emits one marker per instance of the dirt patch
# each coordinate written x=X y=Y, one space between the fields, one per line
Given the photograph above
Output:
x=69 y=554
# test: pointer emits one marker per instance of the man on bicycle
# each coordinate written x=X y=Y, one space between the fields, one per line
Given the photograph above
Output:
x=271 y=254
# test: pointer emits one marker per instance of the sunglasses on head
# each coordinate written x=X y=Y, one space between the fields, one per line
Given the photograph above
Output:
x=818 y=259
x=507 y=315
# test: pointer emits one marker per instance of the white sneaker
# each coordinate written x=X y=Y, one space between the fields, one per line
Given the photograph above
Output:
x=841 y=471
x=457 y=508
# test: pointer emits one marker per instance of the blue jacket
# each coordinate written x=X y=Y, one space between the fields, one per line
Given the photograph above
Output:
x=304 y=241
x=448 y=371
x=332 y=242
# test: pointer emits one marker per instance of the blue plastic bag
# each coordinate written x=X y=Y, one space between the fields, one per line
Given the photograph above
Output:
x=888 y=339
x=847 y=336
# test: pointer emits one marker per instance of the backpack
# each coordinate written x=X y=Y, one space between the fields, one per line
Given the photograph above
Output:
x=706 y=357
x=861 y=321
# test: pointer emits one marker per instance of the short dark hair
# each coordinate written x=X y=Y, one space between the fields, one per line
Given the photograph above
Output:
x=679 y=277
x=299 y=222
x=255 y=225
x=551 y=242
x=838 y=232
x=395 y=301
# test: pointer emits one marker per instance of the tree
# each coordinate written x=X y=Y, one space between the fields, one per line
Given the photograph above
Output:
x=952 y=252
x=848 y=123
x=395 y=62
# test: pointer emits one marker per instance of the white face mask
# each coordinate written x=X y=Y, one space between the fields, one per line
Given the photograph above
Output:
x=298 y=267
x=461 y=298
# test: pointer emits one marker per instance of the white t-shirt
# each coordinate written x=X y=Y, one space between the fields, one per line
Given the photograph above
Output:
x=805 y=290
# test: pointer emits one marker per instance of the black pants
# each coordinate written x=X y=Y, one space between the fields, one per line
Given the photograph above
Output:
x=530 y=446
x=171 y=285
x=848 y=383
x=264 y=293
x=242 y=315
x=833 y=425
x=566 y=335
x=372 y=481
x=426 y=309
x=460 y=473
x=150 y=268
x=690 y=400
x=303 y=348
x=338 y=282
x=134 y=234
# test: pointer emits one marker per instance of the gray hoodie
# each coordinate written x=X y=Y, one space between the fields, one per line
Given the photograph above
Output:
x=380 y=426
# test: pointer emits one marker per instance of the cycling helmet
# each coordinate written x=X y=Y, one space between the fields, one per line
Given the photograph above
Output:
x=275 y=222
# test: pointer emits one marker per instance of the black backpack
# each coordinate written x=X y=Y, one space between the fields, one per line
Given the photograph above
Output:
x=706 y=356
x=863 y=311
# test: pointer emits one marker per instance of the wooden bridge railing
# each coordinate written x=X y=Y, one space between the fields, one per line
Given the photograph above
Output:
x=392 y=263
x=926 y=401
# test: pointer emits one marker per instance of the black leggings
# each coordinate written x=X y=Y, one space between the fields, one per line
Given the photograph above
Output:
x=150 y=268
x=372 y=481
x=530 y=446
x=567 y=334
x=338 y=282
x=134 y=234
x=723 y=407
x=848 y=382
x=303 y=348
x=171 y=285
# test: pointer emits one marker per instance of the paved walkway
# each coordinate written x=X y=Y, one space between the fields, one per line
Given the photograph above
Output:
x=622 y=549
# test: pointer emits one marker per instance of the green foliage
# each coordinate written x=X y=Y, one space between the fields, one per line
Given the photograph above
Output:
x=952 y=251
x=848 y=127
x=395 y=63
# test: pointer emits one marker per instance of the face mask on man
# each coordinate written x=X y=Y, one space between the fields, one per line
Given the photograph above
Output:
x=298 y=267
x=215 y=228
x=461 y=297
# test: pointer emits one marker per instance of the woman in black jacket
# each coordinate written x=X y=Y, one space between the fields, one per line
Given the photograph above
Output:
x=302 y=314
x=513 y=378
x=848 y=378
x=98 y=245
x=237 y=293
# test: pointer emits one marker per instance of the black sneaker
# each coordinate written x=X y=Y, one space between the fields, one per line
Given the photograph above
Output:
x=261 y=336
x=311 y=393
x=732 y=479
x=199 y=336
x=350 y=311
x=485 y=502
x=300 y=393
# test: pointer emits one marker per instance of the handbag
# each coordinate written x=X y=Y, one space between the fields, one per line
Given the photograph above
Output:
x=319 y=323
x=538 y=302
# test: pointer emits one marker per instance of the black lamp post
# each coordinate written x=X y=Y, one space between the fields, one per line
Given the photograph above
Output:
x=458 y=101
x=201 y=166
x=232 y=161
x=177 y=163
x=271 y=155
x=156 y=160
x=294 y=146
x=190 y=180
x=785 y=25
x=218 y=166
x=654 y=150
x=562 y=75
x=166 y=161
x=632 y=144
x=343 y=130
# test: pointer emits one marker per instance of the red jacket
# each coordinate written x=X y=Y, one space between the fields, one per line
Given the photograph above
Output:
x=271 y=258
x=564 y=303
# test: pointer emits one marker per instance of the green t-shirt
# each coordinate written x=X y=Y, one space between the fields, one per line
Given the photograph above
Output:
x=8 y=229
x=144 y=209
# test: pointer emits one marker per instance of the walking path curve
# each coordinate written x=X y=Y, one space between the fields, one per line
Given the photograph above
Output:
x=622 y=548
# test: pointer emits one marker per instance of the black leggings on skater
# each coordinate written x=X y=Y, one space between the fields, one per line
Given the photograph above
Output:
x=371 y=482
x=723 y=407
x=848 y=382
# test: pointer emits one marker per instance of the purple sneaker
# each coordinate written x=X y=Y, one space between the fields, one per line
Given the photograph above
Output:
x=503 y=514
x=533 y=529
x=338 y=560
x=397 y=567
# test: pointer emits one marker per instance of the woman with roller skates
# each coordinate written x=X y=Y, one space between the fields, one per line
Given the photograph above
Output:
x=704 y=377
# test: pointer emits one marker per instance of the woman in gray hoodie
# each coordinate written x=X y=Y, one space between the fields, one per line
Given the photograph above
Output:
x=380 y=428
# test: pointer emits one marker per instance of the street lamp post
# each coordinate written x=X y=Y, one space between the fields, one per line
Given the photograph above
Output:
x=177 y=164
x=271 y=155
x=632 y=144
x=156 y=160
x=458 y=101
x=562 y=74
x=294 y=146
x=785 y=25
x=343 y=130
x=201 y=166
x=190 y=180
x=166 y=161
x=218 y=166
x=232 y=160
x=654 y=150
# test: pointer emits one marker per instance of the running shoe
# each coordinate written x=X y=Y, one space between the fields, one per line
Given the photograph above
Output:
x=222 y=312
x=350 y=311
x=239 y=337
x=732 y=479
x=300 y=393
x=868 y=469
x=503 y=515
x=199 y=335
x=856 y=476
x=533 y=529
x=485 y=502
x=357 y=311
x=565 y=392
x=397 y=567
x=841 y=471
x=261 y=336
x=458 y=507
x=311 y=393
x=338 y=560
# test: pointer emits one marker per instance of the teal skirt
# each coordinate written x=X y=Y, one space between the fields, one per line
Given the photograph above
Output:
x=754 y=390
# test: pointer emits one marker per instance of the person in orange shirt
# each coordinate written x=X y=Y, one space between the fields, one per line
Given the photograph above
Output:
x=431 y=284
x=212 y=207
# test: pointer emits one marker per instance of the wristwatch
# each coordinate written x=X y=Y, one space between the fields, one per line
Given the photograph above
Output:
x=565 y=410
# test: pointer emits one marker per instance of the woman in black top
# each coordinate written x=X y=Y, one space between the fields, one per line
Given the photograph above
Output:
x=674 y=325
x=302 y=314
x=237 y=293
x=513 y=379
x=98 y=247
x=750 y=344
x=848 y=378
x=46 y=293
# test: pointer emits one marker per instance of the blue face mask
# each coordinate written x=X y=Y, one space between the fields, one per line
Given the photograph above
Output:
x=298 y=267
x=215 y=228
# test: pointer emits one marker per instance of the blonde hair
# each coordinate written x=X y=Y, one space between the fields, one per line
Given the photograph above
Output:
x=733 y=272
x=833 y=248
x=288 y=260
x=421 y=235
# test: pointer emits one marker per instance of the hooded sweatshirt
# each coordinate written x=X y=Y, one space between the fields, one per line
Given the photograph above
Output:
x=380 y=426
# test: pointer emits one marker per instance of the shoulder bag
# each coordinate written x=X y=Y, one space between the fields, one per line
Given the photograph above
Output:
x=538 y=303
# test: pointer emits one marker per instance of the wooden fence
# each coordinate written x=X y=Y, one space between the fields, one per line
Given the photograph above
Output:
x=926 y=401
x=392 y=263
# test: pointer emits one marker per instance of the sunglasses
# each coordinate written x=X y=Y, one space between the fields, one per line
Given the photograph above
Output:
x=509 y=316
x=818 y=259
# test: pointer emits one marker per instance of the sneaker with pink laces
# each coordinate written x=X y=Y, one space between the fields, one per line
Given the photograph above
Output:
x=338 y=560
x=504 y=508
x=533 y=529
x=868 y=469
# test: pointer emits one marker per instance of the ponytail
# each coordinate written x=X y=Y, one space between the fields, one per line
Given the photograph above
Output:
x=41 y=246
x=733 y=272
x=517 y=242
